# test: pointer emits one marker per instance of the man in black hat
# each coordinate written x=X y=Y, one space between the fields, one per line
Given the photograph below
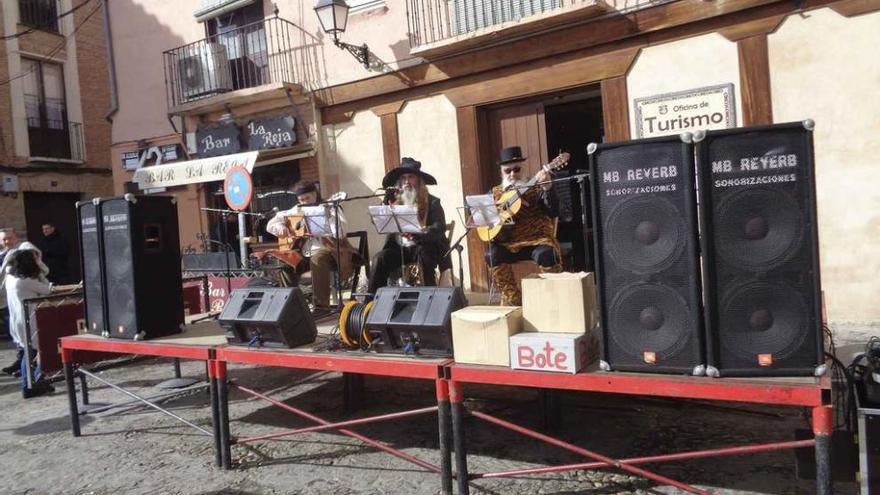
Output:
x=407 y=185
x=532 y=236
x=320 y=252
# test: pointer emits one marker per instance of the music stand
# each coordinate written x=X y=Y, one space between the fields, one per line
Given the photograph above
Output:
x=396 y=219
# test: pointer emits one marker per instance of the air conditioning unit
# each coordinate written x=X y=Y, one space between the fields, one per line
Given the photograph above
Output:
x=203 y=70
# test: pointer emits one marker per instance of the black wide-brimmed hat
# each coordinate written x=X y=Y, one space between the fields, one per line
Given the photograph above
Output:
x=512 y=154
x=408 y=166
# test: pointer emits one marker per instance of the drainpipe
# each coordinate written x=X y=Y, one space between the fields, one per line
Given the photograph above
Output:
x=111 y=64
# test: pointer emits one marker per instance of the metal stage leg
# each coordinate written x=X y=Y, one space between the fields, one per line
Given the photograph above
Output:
x=551 y=411
x=84 y=388
x=223 y=410
x=177 y=381
x=67 y=359
x=352 y=392
x=445 y=428
x=456 y=401
x=823 y=427
x=215 y=414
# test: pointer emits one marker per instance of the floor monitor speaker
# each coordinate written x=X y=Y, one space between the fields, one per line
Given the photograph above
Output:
x=268 y=317
x=414 y=320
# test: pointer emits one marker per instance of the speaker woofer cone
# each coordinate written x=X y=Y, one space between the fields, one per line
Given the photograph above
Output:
x=758 y=229
x=763 y=318
x=650 y=317
x=645 y=234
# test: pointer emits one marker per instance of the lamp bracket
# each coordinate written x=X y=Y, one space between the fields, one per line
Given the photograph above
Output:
x=360 y=52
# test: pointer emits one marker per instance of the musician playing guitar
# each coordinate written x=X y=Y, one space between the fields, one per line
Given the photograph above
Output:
x=289 y=227
x=531 y=237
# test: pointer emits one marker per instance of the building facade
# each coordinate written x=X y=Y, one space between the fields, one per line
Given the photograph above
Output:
x=451 y=82
x=54 y=94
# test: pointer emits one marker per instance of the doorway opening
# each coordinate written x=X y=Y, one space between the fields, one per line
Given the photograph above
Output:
x=59 y=210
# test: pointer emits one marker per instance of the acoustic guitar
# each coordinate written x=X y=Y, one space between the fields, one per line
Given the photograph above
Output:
x=511 y=199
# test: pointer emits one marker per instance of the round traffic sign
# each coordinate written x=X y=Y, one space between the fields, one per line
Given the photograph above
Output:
x=238 y=188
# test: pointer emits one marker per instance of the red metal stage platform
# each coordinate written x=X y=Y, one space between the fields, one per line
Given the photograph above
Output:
x=353 y=366
x=808 y=392
x=197 y=342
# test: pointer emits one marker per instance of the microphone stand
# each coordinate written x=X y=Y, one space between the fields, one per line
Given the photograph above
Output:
x=335 y=204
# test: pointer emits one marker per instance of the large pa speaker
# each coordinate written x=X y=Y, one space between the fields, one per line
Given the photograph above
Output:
x=647 y=264
x=761 y=251
x=414 y=320
x=268 y=317
x=130 y=252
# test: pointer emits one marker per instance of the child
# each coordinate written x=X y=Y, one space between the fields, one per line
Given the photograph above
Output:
x=24 y=280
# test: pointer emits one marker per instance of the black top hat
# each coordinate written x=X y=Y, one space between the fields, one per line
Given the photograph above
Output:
x=407 y=166
x=512 y=154
x=305 y=187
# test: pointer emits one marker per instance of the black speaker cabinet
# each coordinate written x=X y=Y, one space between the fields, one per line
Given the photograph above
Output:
x=131 y=266
x=761 y=251
x=647 y=264
x=268 y=317
x=414 y=320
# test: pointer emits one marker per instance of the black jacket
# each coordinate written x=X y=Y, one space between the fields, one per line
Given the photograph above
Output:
x=433 y=244
x=55 y=252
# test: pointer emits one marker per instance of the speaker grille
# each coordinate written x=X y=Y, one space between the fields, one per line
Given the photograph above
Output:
x=646 y=255
x=761 y=252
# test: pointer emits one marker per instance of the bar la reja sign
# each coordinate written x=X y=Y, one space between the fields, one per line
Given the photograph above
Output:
x=709 y=108
x=193 y=171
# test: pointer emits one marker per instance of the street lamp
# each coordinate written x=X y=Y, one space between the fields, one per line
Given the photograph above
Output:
x=333 y=15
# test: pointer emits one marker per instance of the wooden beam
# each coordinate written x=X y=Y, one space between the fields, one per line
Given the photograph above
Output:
x=473 y=183
x=752 y=28
x=754 y=80
x=615 y=109
x=390 y=140
x=851 y=8
x=389 y=108
x=609 y=30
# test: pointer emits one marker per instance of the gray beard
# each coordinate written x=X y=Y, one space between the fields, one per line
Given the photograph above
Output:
x=409 y=196
x=506 y=183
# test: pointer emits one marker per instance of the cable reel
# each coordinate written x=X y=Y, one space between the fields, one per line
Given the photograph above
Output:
x=353 y=324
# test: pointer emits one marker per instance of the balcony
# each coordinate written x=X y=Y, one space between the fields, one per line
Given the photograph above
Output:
x=201 y=75
x=55 y=140
x=438 y=27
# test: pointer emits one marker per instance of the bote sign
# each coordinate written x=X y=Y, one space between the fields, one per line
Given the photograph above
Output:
x=708 y=108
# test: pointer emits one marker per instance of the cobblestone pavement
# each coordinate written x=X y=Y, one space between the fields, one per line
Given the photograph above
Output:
x=138 y=451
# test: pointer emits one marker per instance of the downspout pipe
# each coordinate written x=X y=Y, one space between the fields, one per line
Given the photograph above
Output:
x=111 y=64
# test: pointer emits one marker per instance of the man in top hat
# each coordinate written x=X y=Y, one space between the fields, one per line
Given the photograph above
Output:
x=532 y=235
x=407 y=185
x=320 y=252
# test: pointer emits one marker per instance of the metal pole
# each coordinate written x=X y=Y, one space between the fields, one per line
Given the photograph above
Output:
x=242 y=244
x=215 y=414
x=444 y=427
x=71 y=393
x=823 y=426
x=582 y=184
x=176 y=368
x=458 y=437
x=84 y=389
x=223 y=412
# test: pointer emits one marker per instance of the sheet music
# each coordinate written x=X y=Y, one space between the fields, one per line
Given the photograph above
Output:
x=318 y=220
x=483 y=211
x=407 y=218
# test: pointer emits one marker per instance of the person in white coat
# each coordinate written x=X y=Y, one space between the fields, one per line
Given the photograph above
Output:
x=24 y=280
x=15 y=367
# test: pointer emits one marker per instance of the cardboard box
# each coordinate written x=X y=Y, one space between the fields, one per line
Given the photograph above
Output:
x=480 y=334
x=559 y=302
x=554 y=352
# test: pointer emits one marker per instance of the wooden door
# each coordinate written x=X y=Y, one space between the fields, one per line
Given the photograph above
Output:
x=520 y=125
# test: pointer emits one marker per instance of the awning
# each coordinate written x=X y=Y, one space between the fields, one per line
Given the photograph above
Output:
x=210 y=169
x=209 y=9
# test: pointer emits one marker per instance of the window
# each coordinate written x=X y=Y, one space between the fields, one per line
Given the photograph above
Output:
x=41 y=14
x=46 y=110
x=470 y=15
x=364 y=5
x=243 y=34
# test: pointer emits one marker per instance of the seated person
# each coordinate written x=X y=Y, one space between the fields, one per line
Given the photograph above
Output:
x=319 y=251
x=427 y=248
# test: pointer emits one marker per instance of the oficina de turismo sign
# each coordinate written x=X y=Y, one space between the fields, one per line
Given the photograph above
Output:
x=708 y=108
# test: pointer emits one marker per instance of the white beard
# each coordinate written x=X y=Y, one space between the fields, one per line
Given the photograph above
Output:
x=409 y=196
x=507 y=183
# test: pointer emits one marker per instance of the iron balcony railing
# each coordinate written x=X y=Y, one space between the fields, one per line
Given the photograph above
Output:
x=42 y=14
x=59 y=139
x=431 y=21
x=256 y=54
